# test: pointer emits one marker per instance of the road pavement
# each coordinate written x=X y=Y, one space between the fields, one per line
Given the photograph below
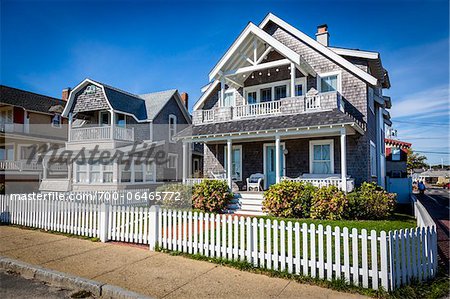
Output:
x=437 y=203
x=14 y=286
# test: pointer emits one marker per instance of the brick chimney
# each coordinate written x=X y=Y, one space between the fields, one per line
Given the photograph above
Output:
x=185 y=100
x=65 y=94
x=322 y=35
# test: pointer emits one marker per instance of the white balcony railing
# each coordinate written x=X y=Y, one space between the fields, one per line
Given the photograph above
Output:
x=20 y=165
x=101 y=133
x=322 y=182
x=312 y=103
x=258 y=109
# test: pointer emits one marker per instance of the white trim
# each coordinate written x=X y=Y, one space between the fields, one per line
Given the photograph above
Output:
x=282 y=144
x=206 y=94
x=225 y=150
x=321 y=48
x=356 y=53
x=176 y=163
x=100 y=113
x=171 y=137
x=327 y=74
x=253 y=68
x=258 y=32
x=257 y=88
x=311 y=152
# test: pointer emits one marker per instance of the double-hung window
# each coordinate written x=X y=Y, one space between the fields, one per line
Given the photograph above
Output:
x=236 y=162
x=104 y=118
x=95 y=173
x=172 y=160
x=172 y=127
x=139 y=171
x=321 y=156
x=329 y=82
x=280 y=92
x=56 y=121
x=149 y=171
x=125 y=172
x=81 y=169
x=107 y=173
x=228 y=100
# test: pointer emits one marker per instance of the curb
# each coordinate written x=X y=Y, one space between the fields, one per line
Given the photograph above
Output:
x=65 y=280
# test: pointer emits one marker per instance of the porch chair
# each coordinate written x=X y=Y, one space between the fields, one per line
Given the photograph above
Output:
x=254 y=182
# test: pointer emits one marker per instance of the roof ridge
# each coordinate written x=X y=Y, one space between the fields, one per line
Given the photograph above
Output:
x=161 y=91
x=32 y=92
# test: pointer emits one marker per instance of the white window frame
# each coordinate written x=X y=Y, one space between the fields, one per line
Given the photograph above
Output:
x=100 y=113
x=13 y=150
x=373 y=159
x=169 y=155
x=117 y=120
x=229 y=91
x=272 y=85
x=239 y=146
x=59 y=125
x=311 y=153
x=398 y=156
x=174 y=129
x=339 y=80
x=20 y=151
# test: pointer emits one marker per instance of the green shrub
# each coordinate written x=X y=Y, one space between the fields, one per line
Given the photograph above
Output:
x=329 y=203
x=370 y=202
x=211 y=196
x=175 y=196
x=288 y=199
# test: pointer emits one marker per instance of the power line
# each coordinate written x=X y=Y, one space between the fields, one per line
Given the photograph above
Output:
x=429 y=152
x=421 y=123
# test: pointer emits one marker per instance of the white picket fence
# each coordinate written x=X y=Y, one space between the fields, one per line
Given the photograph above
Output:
x=369 y=259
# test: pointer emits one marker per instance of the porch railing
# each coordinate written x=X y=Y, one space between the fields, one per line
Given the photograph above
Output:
x=312 y=103
x=256 y=109
x=193 y=181
x=208 y=116
x=321 y=182
x=101 y=133
x=20 y=165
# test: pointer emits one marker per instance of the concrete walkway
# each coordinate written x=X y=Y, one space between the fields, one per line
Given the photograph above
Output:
x=149 y=273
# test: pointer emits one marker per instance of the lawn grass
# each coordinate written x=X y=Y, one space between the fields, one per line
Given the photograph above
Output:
x=395 y=222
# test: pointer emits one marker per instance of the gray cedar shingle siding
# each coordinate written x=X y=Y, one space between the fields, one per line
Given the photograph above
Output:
x=89 y=101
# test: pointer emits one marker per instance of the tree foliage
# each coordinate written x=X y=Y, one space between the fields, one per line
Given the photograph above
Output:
x=416 y=160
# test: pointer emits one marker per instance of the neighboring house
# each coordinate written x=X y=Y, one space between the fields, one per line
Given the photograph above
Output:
x=396 y=158
x=435 y=176
x=28 y=119
x=285 y=105
x=116 y=122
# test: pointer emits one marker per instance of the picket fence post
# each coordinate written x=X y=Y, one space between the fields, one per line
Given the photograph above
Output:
x=103 y=222
x=153 y=227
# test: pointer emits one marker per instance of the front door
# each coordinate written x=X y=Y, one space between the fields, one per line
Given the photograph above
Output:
x=270 y=162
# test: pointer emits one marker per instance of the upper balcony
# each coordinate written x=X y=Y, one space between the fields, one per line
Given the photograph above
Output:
x=101 y=133
x=290 y=105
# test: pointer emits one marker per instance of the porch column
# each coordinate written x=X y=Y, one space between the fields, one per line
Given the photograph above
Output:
x=229 y=154
x=185 y=158
x=222 y=91
x=344 y=159
x=69 y=129
x=277 y=159
x=113 y=122
x=292 y=79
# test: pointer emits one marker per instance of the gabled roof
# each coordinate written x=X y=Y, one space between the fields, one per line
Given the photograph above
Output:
x=28 y=100
x=142 y=107
x=374 y=61
x=155 y=101
x=395 y=142
x=321 y=48
x=253 y=30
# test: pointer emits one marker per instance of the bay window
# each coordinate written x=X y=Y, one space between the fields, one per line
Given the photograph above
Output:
x=321 y=153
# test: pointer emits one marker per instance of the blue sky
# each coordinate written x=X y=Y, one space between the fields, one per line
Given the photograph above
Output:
x=145 y=46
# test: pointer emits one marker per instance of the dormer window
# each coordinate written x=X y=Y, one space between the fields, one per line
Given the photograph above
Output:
x=91 y=89
x=56 y=121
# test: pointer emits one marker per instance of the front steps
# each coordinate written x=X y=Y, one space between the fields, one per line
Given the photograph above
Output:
x=247 y=203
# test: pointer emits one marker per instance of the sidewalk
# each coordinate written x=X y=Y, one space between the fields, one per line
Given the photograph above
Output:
x=149 y=273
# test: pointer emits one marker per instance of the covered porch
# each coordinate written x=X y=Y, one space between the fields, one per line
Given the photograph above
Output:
x=317 y=155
